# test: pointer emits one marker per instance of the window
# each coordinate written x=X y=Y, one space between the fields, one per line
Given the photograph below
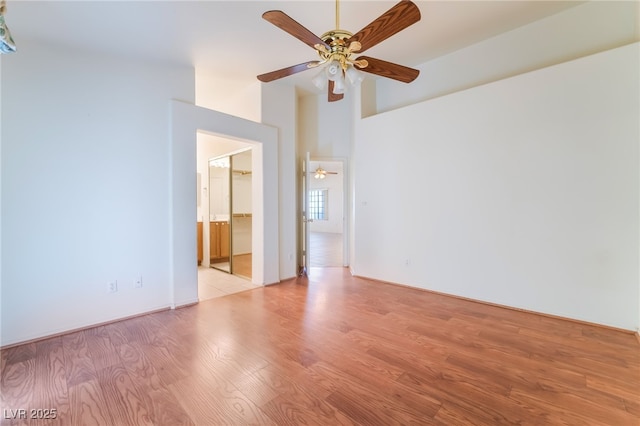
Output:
x=318 y=204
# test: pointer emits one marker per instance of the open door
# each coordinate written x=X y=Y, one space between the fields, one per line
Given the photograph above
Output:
x=304 y=218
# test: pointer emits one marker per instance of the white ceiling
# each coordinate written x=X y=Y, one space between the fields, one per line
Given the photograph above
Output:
x=230 y=39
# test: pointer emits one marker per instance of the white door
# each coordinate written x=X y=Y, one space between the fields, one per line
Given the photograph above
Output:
x=304 y=197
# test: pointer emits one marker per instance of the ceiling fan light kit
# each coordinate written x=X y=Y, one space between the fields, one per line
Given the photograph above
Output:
x=337 y=47
x=321 y=173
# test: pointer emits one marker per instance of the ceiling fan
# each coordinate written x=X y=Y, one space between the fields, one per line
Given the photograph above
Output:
x=321 y=173
x=336 y=48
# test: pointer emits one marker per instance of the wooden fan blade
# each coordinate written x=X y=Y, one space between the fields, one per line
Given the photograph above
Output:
x=288 y=24
x=332 y=96
x=285 y=72
x=389 y=23
x=388 y=69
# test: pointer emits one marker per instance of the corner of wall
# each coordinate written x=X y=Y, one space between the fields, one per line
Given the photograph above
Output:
x=279 y=109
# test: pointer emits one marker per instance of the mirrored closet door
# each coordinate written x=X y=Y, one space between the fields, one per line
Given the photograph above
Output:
x=230 y=218
x=219 y=202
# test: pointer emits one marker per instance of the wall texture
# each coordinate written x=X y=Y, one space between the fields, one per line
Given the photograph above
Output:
x=579 y=31
x=85 y=187
x=279 y=110
x=522 y=192
x=236 y=97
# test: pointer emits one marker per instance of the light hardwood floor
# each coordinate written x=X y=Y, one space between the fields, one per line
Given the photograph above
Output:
x=331 y=349
x=325 y=249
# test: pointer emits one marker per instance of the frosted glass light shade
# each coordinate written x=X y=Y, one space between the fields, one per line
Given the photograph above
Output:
x=338 y=85
x=334 y=71
x=320 y=80
x=354 y=76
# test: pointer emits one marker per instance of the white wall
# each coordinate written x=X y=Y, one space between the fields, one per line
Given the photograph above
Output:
x=236 y=97
x=576 y=32
x=325 y=127
x=279 y=110
x=1 y=186
x=522 y=192
x=85 y=187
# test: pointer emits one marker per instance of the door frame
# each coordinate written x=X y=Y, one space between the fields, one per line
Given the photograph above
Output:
x=345 y=203
x=185 y=121
x=303 y=238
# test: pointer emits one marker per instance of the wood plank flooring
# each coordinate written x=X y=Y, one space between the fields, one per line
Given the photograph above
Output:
x=325 y=249
x=331 y=349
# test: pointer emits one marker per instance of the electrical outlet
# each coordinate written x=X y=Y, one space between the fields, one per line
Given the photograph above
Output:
x=137 y=283
x=112 y=286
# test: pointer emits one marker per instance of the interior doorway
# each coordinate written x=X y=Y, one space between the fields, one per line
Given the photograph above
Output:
x=225 y=240
x=188 y=123
x=325 y=192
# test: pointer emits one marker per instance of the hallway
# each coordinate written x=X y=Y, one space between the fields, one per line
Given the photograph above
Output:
x=325 y=249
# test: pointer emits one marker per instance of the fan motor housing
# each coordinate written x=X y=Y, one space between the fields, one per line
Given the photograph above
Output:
x=337 y=40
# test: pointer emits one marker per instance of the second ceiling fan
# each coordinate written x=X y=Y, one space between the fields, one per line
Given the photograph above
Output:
x=337 y=47
x=321 y=173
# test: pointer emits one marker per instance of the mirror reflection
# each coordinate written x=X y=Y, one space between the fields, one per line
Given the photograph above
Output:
x=219 y=202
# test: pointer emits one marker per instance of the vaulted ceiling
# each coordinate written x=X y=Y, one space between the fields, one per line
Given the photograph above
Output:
x=230 y=39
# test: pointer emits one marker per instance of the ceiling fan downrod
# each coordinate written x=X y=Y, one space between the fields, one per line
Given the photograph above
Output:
x=338 y=50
